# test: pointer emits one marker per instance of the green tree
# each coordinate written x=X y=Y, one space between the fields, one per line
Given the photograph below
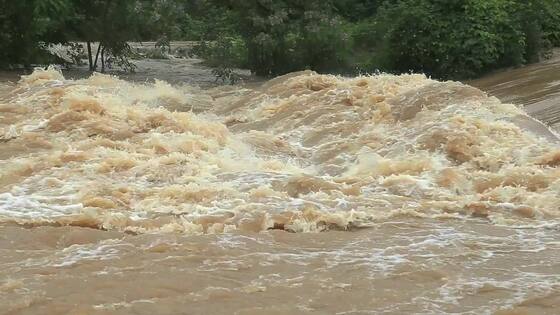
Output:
x=288 y=35
x=549 y=16
x=463 y=38
x=357 y=10
x=207 y=20
x=160 y=18
x=111 y=24
x=25 y=26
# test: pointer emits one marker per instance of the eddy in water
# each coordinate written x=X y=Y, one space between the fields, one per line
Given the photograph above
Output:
x=301 y=153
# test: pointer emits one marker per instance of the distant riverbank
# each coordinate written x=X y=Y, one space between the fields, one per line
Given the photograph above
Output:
x=179 y=65
x=536 y=87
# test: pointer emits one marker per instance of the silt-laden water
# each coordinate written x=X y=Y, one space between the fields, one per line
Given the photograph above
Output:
x=310 y=194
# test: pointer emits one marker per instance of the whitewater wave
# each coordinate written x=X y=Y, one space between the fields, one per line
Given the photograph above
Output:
x=303 y=152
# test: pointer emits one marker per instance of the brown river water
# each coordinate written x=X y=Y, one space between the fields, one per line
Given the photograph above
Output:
x=308 y=194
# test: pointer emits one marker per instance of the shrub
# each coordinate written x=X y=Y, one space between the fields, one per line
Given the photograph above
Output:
x=26 y=27
x=550 y=19
x=227 y=52
x=452 y=38
x=289 y=35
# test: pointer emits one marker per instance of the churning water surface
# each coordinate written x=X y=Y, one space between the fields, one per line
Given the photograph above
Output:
x=308 y=194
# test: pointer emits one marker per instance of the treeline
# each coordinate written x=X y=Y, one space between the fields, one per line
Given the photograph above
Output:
x=443 y=38
x=28 y=27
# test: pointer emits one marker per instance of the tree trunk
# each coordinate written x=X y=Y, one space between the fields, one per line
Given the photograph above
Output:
x=103 y=60
x=97 y=56
x=90 y=57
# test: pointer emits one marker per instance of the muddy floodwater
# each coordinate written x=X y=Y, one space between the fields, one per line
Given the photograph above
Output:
x=536 y=87
x=307 y=194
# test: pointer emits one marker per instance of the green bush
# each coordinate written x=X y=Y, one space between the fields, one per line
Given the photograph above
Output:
x=550 y=19
x=26 y=27
x=463 y=38
x=443 y=38
x=324 y=46
x=289 y=35
x=230 y=52
x=455 y=38
x=207 y=20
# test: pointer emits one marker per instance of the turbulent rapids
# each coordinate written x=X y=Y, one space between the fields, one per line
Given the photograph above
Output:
x=302 y=153
x=124 y=198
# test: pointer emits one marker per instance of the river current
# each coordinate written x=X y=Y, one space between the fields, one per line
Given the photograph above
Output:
x=307 y=194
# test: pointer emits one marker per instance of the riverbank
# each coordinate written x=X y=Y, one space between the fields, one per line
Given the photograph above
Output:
x=536 y=87
x=178 y=67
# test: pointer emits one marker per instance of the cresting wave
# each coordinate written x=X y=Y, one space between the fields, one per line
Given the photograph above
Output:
x=303 y=152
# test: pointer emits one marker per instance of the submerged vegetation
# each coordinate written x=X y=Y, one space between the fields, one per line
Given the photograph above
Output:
x=445 y=39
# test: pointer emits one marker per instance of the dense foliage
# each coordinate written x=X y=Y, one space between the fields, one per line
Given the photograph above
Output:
x=110 y=23
x=461 y=38
x=288 y=35
x=443 y=38
x=25 y=25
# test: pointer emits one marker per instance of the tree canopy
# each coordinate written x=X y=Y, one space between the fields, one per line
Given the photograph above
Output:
x=443 y=38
